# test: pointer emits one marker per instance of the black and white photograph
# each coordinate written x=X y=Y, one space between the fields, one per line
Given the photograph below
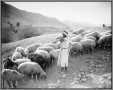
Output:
x=56 y=45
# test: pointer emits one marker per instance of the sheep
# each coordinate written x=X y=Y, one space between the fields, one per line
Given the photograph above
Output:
x=94 y=34
x=32 y=69
x=19 y=61
x=90 y=37
x=54 y=54
x=9 y=64
x=45 y=48
x=88 y=45
x=42 y=57
x=21 y=50
x=11 y=77
x=53 y=45
x=76 y=48
x=31 y=48
x=16 y=55
x=76 y=38
x=105 y=41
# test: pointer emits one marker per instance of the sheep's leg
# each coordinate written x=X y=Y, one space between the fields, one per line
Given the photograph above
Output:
x=31 y=76
x=14 y=84
x=36 y=76
x=9 y=84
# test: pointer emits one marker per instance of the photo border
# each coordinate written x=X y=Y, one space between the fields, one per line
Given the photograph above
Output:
x=56 y=1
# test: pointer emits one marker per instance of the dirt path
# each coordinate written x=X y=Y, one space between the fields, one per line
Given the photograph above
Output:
x=95 y=64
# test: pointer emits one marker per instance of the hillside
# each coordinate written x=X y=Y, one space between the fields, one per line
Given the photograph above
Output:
x=23 y=22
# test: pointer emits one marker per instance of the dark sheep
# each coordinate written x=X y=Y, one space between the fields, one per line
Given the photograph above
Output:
x=41 y=57
x=105 y=42
x=9 y=64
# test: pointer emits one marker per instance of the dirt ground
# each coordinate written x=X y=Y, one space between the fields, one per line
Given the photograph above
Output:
x=84 y=71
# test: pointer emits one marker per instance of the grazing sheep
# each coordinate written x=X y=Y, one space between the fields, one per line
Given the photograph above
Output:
x=88 y=45
x=19 y=61
x=105 y=41
x=75 y=48
x=16 y=55
x=54 y=54
x=42 y=57
x=31 y=48
x=11 y=77
x=45 y=48
x=94 y=34
x=76 y=38
x=32 y=69
x=9 y=64
x=90 y=37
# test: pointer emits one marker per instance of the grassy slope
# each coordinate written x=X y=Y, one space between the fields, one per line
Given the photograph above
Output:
x=9 y=47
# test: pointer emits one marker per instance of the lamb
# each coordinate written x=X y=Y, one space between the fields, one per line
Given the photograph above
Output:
x=105 y=41
x=88 y=45
x=11 y=77
x=32 y=69
x=32 y=48
x=9 y=64
x=75 y=48
x=42 y=57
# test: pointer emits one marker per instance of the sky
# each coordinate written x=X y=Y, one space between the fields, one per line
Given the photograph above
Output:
x=95 y=13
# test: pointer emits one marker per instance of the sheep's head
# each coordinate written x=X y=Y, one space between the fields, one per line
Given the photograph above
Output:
x=43 y=76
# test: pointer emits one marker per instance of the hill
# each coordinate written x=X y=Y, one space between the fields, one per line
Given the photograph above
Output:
x=19 y=24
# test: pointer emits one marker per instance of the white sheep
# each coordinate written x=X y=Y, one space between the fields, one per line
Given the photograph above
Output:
x=94 y=34
x=19 y=61
x=20 y=50
x=76 y=48
x=32 y=69
x=90 y=37
x=88 y=45
x=11 y=77
x=16 y=55
x=77 y=38
x=31 y=48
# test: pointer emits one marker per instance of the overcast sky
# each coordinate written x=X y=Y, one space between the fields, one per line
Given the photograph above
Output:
x=92 y=12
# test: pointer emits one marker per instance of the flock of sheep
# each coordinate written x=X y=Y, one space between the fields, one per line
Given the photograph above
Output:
x=33 y=60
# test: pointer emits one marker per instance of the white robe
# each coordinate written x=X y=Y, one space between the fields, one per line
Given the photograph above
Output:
x=63 y=54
